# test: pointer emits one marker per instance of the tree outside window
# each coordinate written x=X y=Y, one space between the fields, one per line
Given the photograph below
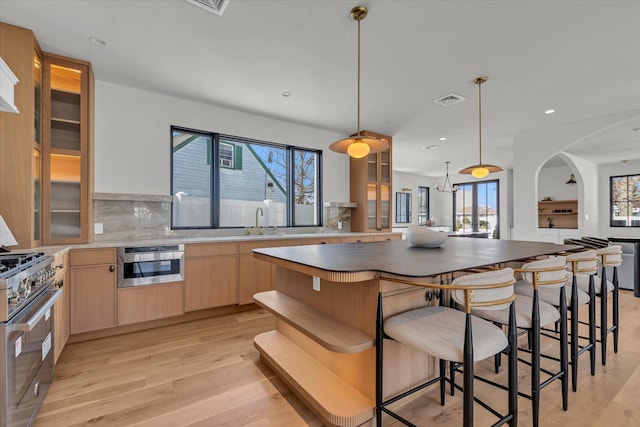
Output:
x=625 y=201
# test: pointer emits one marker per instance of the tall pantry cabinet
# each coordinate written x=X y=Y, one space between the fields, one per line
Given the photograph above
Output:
x=46 y=149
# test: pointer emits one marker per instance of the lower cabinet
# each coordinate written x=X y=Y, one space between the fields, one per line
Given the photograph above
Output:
x=211 y=272
x=254 y=275
x=62 y=307
x=150 y=302
x=93 y=289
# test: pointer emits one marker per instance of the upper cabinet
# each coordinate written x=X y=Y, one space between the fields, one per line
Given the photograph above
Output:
x=20 y=138
x=46 y=148
x=67 y=161
x=370 y=189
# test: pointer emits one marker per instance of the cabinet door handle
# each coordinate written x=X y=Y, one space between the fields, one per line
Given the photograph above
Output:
x=112 y=268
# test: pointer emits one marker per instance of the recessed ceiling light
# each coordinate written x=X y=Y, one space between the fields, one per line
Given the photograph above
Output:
x=430 y=147
x=286 y=94
x=96 y=40
x=550 y=111
x=444 y=138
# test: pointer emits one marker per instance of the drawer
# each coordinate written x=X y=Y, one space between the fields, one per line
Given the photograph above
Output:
x=321 y=241
x=92 y=256
x=210 y=249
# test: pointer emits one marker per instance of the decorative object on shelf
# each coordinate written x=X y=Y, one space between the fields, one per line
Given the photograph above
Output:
x=546 y=199
x=572 y=180
x=359 y=145
x=480 y=170
x=446 y=185
x=422 y=237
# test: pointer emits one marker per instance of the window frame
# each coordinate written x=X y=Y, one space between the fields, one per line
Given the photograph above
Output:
x=475 y=217
x=425 y=206
x=214 y=162
x=403 y=207
x=630 y=223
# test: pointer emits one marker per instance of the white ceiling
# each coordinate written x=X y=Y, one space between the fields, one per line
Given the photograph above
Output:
x=581 y=58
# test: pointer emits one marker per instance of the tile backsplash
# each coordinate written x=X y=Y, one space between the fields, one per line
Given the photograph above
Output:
x=132 y=217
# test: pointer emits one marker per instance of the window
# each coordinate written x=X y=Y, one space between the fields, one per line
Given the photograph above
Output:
x=403 y=208
x=476 y=208
x=222 y=181
x=423 y=205
x=625 y=201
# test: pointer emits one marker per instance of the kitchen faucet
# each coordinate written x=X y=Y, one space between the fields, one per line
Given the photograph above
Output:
x=259 y=209
x=261 y=230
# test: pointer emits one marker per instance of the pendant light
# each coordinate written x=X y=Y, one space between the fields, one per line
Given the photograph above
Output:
x=446 y=185
x=359 y=145
x=480 y=170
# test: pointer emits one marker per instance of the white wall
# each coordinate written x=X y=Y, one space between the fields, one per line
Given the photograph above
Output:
x=405 y=180
x=531 y=150
x=605 y=171
x=132 y=139
x=552 y=183
x=441 y=204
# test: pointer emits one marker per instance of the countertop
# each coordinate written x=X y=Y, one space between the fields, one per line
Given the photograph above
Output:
x=53 y=250
x=398 y=258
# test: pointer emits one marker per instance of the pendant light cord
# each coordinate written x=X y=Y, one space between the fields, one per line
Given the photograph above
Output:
x=480 y=117
x=358 y=126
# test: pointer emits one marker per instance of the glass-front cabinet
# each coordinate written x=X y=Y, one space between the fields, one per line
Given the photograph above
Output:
x=37 y=147
x=66 y=201
x=370 y=189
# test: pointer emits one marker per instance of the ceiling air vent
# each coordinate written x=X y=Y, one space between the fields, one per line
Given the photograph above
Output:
x=215 y=6
x=450 y=99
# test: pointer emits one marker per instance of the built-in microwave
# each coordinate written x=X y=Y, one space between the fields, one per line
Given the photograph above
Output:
x=149 y=265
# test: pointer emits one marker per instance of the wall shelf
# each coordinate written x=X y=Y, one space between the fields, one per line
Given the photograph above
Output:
x=558 y=214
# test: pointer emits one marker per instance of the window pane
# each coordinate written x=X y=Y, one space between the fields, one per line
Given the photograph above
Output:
x=191 y=179
x=464 y=198
x=305 y=187
x=257 y=179
x=625 y=201
x=423 y=205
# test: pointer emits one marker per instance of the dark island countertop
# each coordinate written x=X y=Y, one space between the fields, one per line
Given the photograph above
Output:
x=398 y=258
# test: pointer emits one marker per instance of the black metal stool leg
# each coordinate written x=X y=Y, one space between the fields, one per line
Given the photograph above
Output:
x=564 y=356
x=592 y=324
x=603 y=316
x=467 y=395
x=616 y=319
x=574 y=334
x=513 y=367
x=534 y=340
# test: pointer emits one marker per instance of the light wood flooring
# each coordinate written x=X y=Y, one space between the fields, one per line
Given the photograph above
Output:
x=207 y=373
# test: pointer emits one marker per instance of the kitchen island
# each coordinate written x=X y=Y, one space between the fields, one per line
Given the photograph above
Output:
x=325 y=303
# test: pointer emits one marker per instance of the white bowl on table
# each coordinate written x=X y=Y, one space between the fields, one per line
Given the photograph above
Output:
x=422 y=237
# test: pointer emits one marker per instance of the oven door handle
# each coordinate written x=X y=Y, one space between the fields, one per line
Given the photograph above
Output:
x=31 y=323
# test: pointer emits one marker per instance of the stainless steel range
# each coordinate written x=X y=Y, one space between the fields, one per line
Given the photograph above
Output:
x=27 y=295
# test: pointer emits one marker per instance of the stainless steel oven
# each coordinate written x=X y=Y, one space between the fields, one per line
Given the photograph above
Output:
x=26 y=331
x=148 y=265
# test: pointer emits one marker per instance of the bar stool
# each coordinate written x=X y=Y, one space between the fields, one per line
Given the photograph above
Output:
x=552 y=295
x=451 y=335
x=532 y=313
x=609 y=257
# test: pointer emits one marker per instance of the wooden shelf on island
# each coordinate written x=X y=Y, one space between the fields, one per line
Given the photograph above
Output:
x=330 y=397
x=330 y=333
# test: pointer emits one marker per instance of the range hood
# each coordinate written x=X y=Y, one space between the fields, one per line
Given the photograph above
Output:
x=7 y=82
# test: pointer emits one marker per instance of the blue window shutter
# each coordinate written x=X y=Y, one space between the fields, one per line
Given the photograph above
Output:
x=237 y=157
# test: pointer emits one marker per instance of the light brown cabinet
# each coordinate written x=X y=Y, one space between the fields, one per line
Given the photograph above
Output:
x=150 y=302
x=20 y=138
x=62 y=307
x=558 y=214
x=93 y=289
x=46 y=149
x=211 y=271
x=67 y=150
x=254 y=275
x=371 y=189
